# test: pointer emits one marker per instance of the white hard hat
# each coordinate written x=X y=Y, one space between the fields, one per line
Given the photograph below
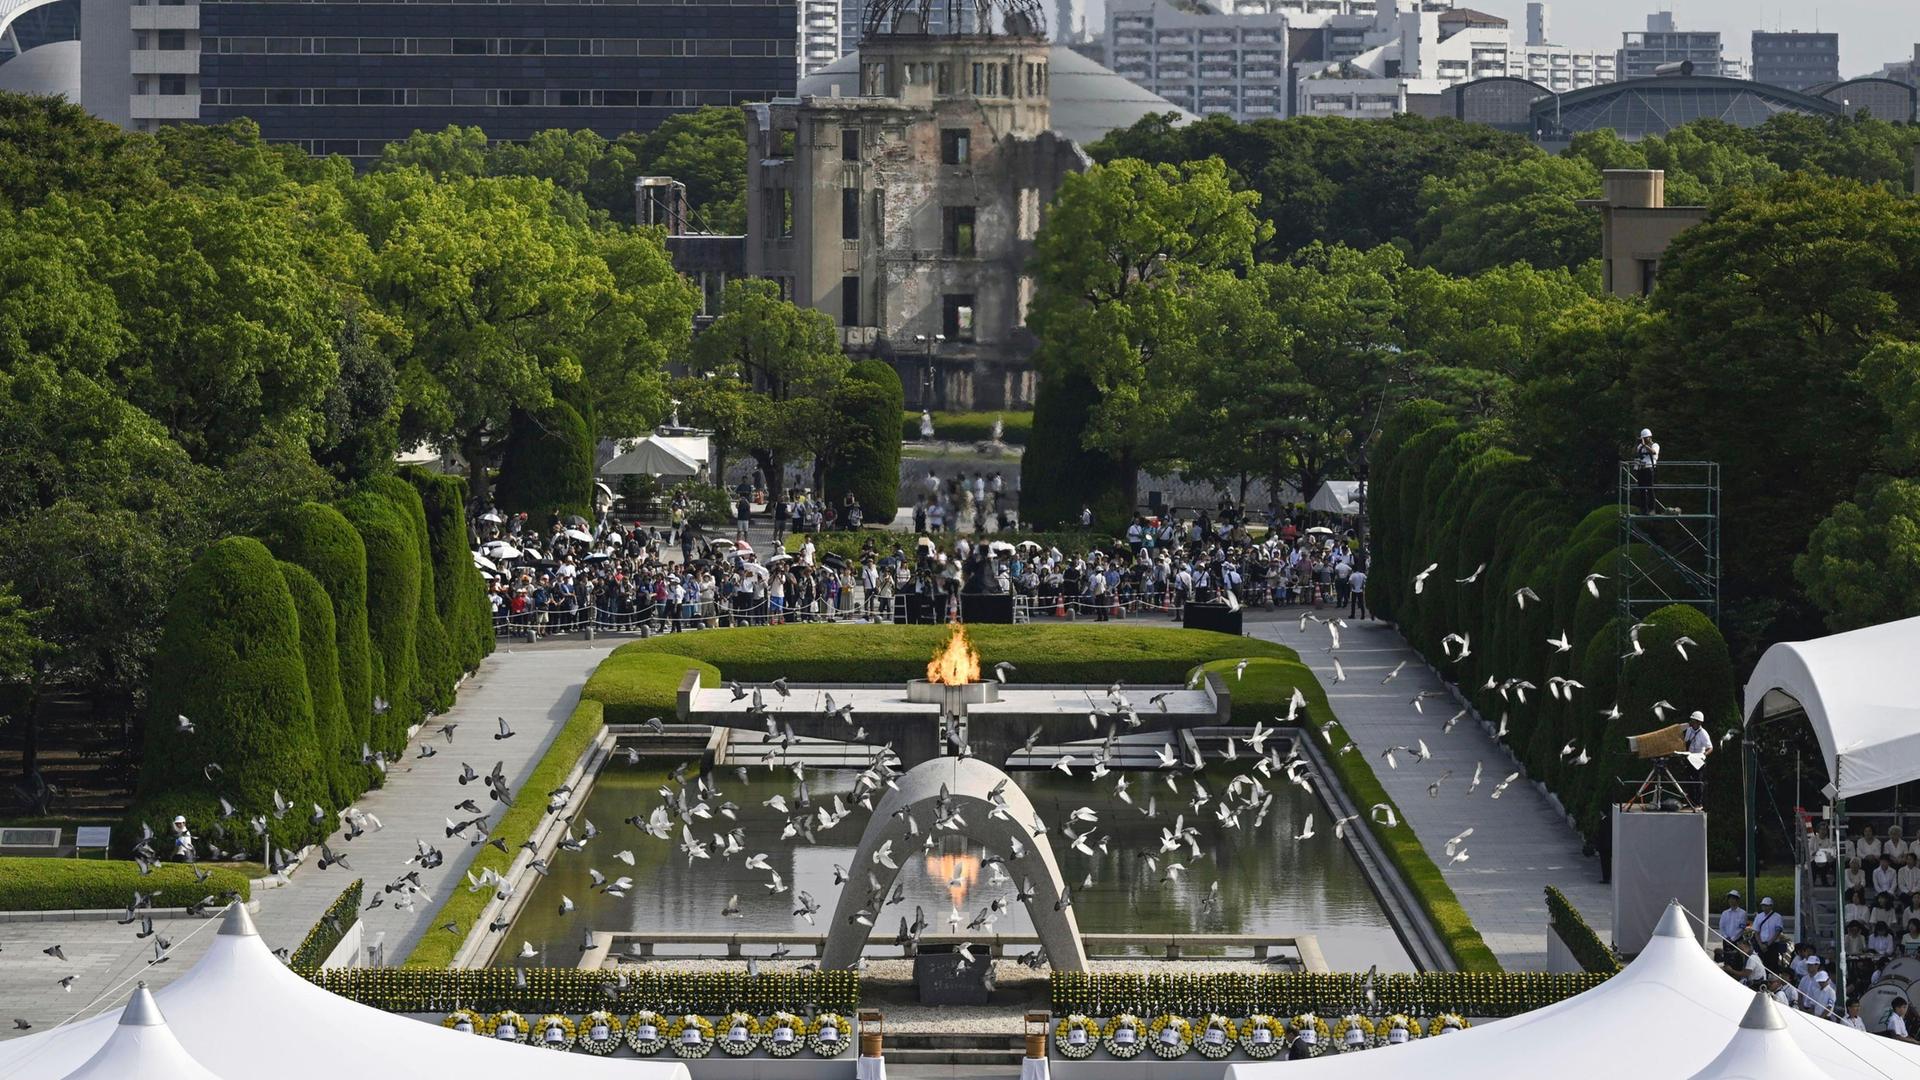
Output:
x=1646 y=433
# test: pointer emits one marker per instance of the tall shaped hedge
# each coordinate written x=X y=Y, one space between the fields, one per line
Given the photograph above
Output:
x=459 y=592
x=546 y=467
x=438 y=671
x=337 y=751
x=1058 y=474
x=866 y=461
x=230 y=660
x=393 y=611
x=319 y=539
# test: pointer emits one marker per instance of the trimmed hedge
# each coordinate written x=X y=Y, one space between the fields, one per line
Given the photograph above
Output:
x=319 y=538
x=459 y=592
x=437 y=669
x=867 y=458
x=393 y=611
x=636 y=686
x=1059 y=475
x=1262 y=693
x=1479 y=994
x=546 y=466
x=324 y=938
x=1016 y=427
x=338 y=750
x=230 y=660
x=1579 y=938
x=572 y=990
x=37 y=884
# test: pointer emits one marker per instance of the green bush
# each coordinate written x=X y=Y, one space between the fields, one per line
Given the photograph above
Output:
x=325 y=937
x=1262 y=693
x=572 y=990
x=34 y=884
x=546 y=467
x=338 y=752
x=1478 y=994
x=867 y=453
x=459 y=592
x=636 y=686
x=1058 y=474
x=1593 y=954
x=393 y=610
x=230 y=661
x=437 y=670
x=1016 y=427
x=317 y=537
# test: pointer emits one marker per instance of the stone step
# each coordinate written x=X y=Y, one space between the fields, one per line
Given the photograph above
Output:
x=953 y=1056
x=952 y=1040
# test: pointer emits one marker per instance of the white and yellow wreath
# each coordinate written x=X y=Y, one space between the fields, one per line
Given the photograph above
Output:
x=739 y=1034
x=691 y=1036
x=1170 y=1036
x=1399 y=1028
x=466 y=1021
x=831 y=1034
x=554 y=1031
x=598 y=1033
x=786 y=1034
x=646 y=1032
x=1446 y=1022
x=508 y=1026
x=1075 y=1037
x=1263 y=1036
x=1216 y=1035
x=1122 y=1036
x=1308 y=1024
x=1354 y=1032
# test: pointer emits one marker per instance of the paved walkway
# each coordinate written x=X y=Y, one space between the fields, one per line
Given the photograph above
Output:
x=534 y=687
x=1520 y=844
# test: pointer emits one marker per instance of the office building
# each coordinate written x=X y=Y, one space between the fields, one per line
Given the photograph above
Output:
x=1795 y=60
x=1906 y=71
x=821 y=34
x=1206 y=62
x=1642 y=53
x=1558 y=68
x=1408 y=52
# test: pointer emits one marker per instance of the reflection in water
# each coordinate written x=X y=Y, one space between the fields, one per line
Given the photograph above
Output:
x=1268 y=882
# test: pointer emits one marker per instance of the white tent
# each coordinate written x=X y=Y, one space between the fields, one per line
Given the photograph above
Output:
x=1761 y=1049
x=245 y=1016
x=141 y=1046
x=1861 y=694
x=1337 y=497
x=654 y=455
x=1667 y=1015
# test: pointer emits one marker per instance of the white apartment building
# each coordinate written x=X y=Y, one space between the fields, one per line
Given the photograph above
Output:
x=820 y=33
x=1408 y=50
x=1233 y=65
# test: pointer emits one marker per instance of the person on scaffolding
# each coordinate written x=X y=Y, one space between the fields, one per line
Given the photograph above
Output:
x=1646 y=455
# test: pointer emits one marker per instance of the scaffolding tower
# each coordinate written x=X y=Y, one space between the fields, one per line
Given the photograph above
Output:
x=1670 y=533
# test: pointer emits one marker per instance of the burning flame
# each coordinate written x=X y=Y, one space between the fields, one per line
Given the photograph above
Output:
x=956 y=873
x=956 y=663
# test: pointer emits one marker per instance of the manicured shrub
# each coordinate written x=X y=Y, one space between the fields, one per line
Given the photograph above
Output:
x=230 y=661
x=637 y=686
x=546 y=467
x=319 y=539
x=393 y=610
x=35 y=884
x=437 y=669
x=1058 y=474
x=1566 y=921
x=330 y=930
x=1401 y=507
x=459 y=592
x=339 y=752
x=867 y=457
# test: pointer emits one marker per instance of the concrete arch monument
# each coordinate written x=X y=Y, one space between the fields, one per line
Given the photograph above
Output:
x=968 y=782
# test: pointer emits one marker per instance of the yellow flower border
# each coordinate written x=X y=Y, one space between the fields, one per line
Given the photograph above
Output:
x=566 y=1027
x=1440 y=1023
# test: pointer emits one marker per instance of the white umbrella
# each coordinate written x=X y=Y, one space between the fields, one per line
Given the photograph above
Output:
x=483 y=562
x=925 y=541
x=754 y=568
x=999 y=545
x=781 y=557
x=1320 y=530
x=581 y=535
x=500 y=549
x=490 y=516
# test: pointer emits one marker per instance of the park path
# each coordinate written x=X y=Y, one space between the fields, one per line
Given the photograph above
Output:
x=534 y=686
x=1520 y=844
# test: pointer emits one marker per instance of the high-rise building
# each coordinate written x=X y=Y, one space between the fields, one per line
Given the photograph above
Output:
x=1559 y=68
x=1407 y=51
x=822 y=34
x=1537 y=19
x=347 y=78
x=1069 y=21
x=1795 y=61
x=1662 y=43
x=1235 y=65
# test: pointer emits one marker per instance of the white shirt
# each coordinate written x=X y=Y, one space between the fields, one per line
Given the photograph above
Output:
x=1857 y=1023
x=1867 y=849
x=1732 y=921
x=1896 y=848
x=1896 y=1025
x=1647 y=454
x=1816 y=997
x=1886 y=879
x=1767 y=926
x=1698 y=741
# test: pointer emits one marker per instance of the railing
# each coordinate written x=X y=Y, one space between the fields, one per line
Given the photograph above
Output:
x=1300 y=952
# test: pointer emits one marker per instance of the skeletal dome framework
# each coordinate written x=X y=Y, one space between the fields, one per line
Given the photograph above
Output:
x=1012 y=18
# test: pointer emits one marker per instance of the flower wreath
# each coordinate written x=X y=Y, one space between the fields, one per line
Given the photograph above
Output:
x=1216 y=1037
x=1076 y=1036
x=796 y=1030
x=1309 y=1024
x=646 y=1033
x=1252 y=1041
x=1126 y=1046
x=746 y=1027
x=600 y=1020
x=1170 y=1036
x=510 y=1021
x=1445 y=1020
x=1343 y=1039
x=824 y=1024
x=476 y=1023
x=677 y=1029
x=1399 y=1022
x=551 y=1024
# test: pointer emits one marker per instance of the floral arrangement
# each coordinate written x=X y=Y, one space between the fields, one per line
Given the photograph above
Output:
x=598 y=1033
x=1217 y=1036
x=646 y=1032
x=1170 y=1036
x=1262 y=1036
x=1076 y=1036
x=1343 y=1038
x=794 y=1029
x=576 y=991
x=1448 y=1021
x=508 y=1026
x=701 y=1042
x=465 y=1020
x=1122 y=1036
x=1470 y=993
x=1308 y=1023
x=740 y=1034
x=830 y=1034
x=556 y=1031
x=1399 y=1028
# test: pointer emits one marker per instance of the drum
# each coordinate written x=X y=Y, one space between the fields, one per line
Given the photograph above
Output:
x=1877 y=1003
x=1907 y=967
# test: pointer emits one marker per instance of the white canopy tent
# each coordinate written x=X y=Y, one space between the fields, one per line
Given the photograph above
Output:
x=1668 y=1015
x=1762 y=1049
x=141 y=1046
x=241 y=1013
x=1337 y=497
x=654 y=455
x=1861 y=693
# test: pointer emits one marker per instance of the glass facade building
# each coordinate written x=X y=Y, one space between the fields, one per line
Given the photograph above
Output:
x=347 y=78
x=1643 y=107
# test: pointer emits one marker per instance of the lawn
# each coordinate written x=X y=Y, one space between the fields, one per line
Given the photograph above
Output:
x=970 y=426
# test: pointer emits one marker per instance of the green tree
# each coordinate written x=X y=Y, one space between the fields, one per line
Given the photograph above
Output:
x=864 y=459
x=1514 y=210
x=451 y=152
x=706 y=149
x=433 y=654
x=18 y=644
x=361 y=412
x=48 y=146
x=546 y=469
x=787 y=353
x=1862 y=564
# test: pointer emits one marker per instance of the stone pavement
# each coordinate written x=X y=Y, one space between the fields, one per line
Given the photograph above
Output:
x=1520 y=844
x=534 y=686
